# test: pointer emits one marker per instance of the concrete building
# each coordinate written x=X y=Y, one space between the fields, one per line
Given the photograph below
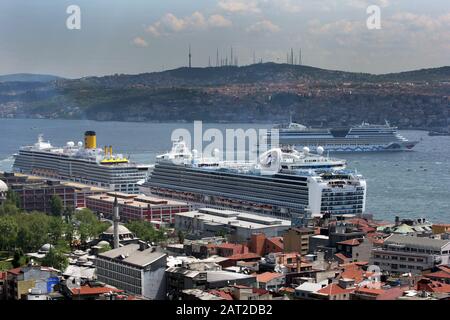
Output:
x=202 y=274
x=35 y=192
x=297 y=240
x=262 y=245
x=135 y=268
x=402 y=254
x=239 y=226
x=20 y=281
x=137 y=207
x=271 y=281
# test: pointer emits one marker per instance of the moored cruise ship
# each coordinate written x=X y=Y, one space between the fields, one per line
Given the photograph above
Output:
x=85 y=164
x=361 y=138
x=283 y=182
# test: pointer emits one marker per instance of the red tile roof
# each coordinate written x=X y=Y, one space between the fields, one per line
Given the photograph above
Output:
x=15 y=271
x=350 y=242
x=341 y=257
x=334 y=289
x=438 y=275
x=278 y=241
x=433 y=286
x=268 y=276
x=244 y=256
x=221 y=294
x=87 y=290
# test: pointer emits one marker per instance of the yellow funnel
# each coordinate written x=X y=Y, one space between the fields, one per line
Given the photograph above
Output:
x=90 y=140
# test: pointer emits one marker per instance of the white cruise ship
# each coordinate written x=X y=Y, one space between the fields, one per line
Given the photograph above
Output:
x=362 y=138
x=85 y=164
x=282 y=183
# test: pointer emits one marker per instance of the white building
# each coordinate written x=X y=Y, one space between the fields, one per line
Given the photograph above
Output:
x=135 y=268
x=240 y=226
x=404 y=254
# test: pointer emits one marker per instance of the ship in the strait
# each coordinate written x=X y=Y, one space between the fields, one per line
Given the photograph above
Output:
x=85 y=164
x=360 y=138
x=282 y=182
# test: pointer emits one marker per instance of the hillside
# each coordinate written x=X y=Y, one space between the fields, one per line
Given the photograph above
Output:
x=259 y=92
x=28 y=77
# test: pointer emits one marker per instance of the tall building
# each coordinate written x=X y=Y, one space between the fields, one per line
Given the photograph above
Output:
x=135 y=268
x=297 y=240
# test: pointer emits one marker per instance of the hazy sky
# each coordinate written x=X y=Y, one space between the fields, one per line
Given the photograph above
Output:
x=134 y=36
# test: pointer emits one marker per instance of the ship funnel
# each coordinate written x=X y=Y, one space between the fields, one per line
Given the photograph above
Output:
x=90 y=140
x=110 y=151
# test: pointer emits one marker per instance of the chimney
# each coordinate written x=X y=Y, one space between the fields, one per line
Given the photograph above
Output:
x=116 y=220
x=397 y=220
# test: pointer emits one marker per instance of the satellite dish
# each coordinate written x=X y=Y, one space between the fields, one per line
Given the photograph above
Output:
x=305 y=150
x=80 y=144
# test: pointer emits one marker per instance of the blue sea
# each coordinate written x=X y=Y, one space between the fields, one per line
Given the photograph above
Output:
x=408 y=184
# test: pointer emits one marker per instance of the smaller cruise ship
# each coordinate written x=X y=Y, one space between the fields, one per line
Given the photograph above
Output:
x=361 y=138
x=84 y=164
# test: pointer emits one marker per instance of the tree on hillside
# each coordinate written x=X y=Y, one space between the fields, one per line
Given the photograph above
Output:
x=56 y=205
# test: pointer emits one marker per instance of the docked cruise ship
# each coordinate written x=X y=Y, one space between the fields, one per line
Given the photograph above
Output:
x=361 y=138
x=282 y=182
x=84 y=164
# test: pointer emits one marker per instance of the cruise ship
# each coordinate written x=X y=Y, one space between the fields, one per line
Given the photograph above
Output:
x=283 y=182
x=84 y=164
x=361 y=138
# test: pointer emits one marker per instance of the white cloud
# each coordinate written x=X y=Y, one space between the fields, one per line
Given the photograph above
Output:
x=240 y=6
x=216 y=20
x=140 y=42
x=170 y=23
x=264 y=26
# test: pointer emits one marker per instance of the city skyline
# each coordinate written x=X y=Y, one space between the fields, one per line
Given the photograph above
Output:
x=147 y=37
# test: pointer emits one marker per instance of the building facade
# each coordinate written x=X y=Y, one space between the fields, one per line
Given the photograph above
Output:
x=137 y=207
x=135 y=268
x=403 y=254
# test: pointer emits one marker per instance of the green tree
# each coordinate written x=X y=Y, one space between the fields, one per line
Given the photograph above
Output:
x=13 y=198
x=56 y=205
x=180 y=236
x=55 y=259
x=8 y=208
x=33 y=230
x=56 y=229
x=88 y=224
x=9 y=231
x=145 y=231
x=19 y=259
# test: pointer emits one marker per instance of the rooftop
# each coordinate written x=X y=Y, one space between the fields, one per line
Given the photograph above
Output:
x=130 y=254
x=137 y=201
x=420 y=242
x=268 y=276
x=235 y=218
